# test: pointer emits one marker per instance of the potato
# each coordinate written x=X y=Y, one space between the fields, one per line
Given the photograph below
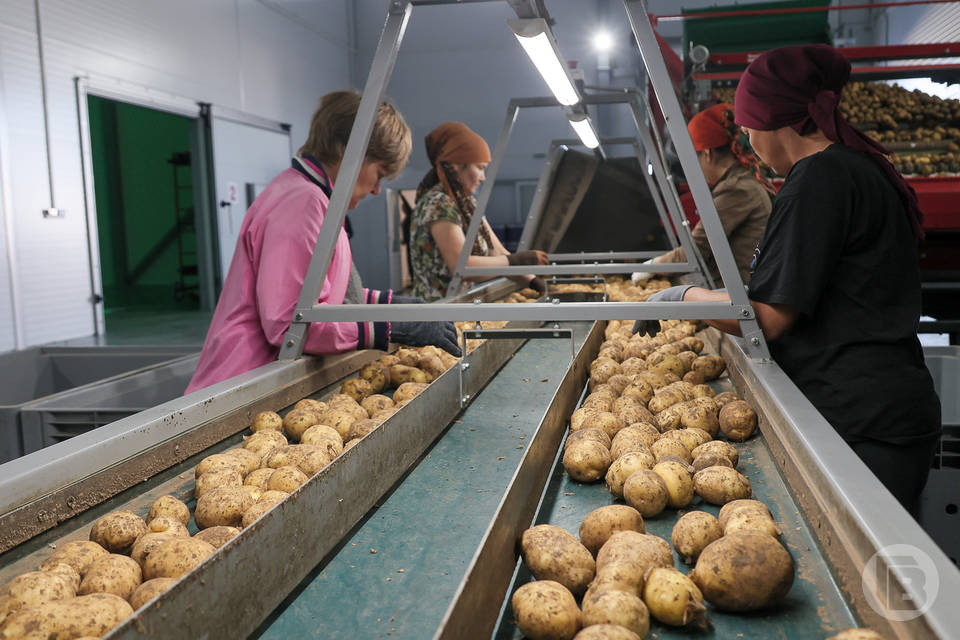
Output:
x=65 y=572
x=738 y=420
x=603 y=522
x=599 y=401
x=619 y=576
x=255 y=511
x=692 y=533
x=695 y=344
x=219 y=462
x=253 y=492
x=669 y=364
x=310 y=404
x=249 y=461
x=297 y=421
x=267 y=420
x=689 y=438
x=619 y=608
x=117 y=531
x=223 y=506
x=645 y=432
x=624 y=402
x=150 y=590
x=166 y=524
x=340 y=419
x=749 y=520
x=694 y=416
x=736 y=505
x=578 y=417
x=171 y=507
x=361 y=428
x=545 y=610
x=341 y=400
x=552 y=553
x=606 y=632
x=619 y=383
x=319 y=433
x=609 y=422
x=602 y=368
x=114 y=574
x=263 y=441
x=668 y=419
x=639 y=550
x=693 y=377
x=273 y=497
x=673 y=598
x=724 y=398
x=744 y=571
x=376 y=402
x=388 y=360
x=646 y=492
x=719 y=485
x=216 y=479
x=84 y=616
x=856 y=634
x=316 y=457
x=400 y=374
x=217 y=536
x=176 y=557
x=285 y=479
x=710 y=366
x=710 y=460
x=357 y=388
x=407 y=391
x=664 y=398
x=408 y=357
x=586 y=461
x=635 y=413
x=35 y=588
x=79 y=554
x=383 y=415
x=670 y=447
x=686 y=358
x=625 y=466
x=594 y=433
x=719 y=447
x=377 y=375
x=259 y=478
x=432 y=366
x=679 y=483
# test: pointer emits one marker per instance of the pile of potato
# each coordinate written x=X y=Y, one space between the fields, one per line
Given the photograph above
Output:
x=647 y=428
x=523 y=295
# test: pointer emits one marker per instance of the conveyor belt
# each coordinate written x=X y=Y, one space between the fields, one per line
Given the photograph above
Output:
x=427 y=531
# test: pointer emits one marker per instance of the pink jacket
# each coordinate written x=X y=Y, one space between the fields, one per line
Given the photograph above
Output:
x=269 y=265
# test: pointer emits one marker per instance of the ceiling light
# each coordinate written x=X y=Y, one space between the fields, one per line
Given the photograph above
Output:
x=602 y=41
x=584 y=128
x=536 y=39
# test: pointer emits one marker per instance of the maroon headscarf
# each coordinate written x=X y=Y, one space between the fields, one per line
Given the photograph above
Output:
x=800 y=87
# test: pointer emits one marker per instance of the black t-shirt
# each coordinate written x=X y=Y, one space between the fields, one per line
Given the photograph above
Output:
x=840 y=251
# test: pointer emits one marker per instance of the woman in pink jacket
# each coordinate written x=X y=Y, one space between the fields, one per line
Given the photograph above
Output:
x=277 y=240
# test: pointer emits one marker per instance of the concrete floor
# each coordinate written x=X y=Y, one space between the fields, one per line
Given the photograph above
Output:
x=148 y=328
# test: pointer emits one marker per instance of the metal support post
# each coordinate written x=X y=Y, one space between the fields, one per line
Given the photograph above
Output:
x=498 y=153
x=380 y=70
x=653 y=60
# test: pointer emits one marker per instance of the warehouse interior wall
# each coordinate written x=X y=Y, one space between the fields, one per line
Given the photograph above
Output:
x=261 y=57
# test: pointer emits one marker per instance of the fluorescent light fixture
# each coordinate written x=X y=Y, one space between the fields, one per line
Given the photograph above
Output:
x=602 y=41
x=584 y=128
x=535 y=38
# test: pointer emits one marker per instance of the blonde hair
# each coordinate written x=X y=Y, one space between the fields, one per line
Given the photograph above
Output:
x=390 y=141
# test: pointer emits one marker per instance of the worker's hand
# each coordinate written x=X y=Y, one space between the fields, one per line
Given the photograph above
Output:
x=538 y=285
x=670 y=294
x=406 y=300
x=639 y=277
x=421 y=334
x=529 y=257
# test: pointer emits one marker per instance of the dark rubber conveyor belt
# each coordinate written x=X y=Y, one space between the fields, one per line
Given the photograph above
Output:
x=395 y=575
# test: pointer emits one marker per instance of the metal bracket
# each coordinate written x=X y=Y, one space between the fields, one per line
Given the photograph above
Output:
x=533 y=333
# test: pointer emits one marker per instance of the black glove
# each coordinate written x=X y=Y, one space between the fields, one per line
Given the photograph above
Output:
x=670 y=294
x=420 y=334
x=529 y=257
x=651 y=327
x=406 y=300
x=538 y=285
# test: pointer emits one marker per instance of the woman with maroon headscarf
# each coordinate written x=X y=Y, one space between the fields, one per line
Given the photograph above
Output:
x=742 y=196
x=836 y=285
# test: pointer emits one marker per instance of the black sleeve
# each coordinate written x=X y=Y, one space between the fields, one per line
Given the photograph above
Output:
x=802 y=244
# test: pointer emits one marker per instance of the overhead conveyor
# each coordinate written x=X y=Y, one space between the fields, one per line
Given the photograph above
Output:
x=412 y=532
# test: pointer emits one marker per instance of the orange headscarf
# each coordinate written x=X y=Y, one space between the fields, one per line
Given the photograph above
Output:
x=714 y=127
x=455 y=143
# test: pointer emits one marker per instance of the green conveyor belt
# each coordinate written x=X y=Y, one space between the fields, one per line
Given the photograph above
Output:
x=814 y=608
x=427 y=530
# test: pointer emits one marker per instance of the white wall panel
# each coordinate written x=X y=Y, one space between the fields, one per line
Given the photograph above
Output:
x=271 y=58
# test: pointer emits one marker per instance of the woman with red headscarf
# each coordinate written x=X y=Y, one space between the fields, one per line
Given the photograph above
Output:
x=742 y=196
x=445 y=206
x=836 y=284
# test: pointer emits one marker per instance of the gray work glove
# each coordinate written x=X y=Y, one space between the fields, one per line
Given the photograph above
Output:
x=420 y=334
x=406 y=300
x=670 y=294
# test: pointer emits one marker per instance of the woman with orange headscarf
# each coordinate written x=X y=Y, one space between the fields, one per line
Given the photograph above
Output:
x=445 y=206
x=742 y=196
